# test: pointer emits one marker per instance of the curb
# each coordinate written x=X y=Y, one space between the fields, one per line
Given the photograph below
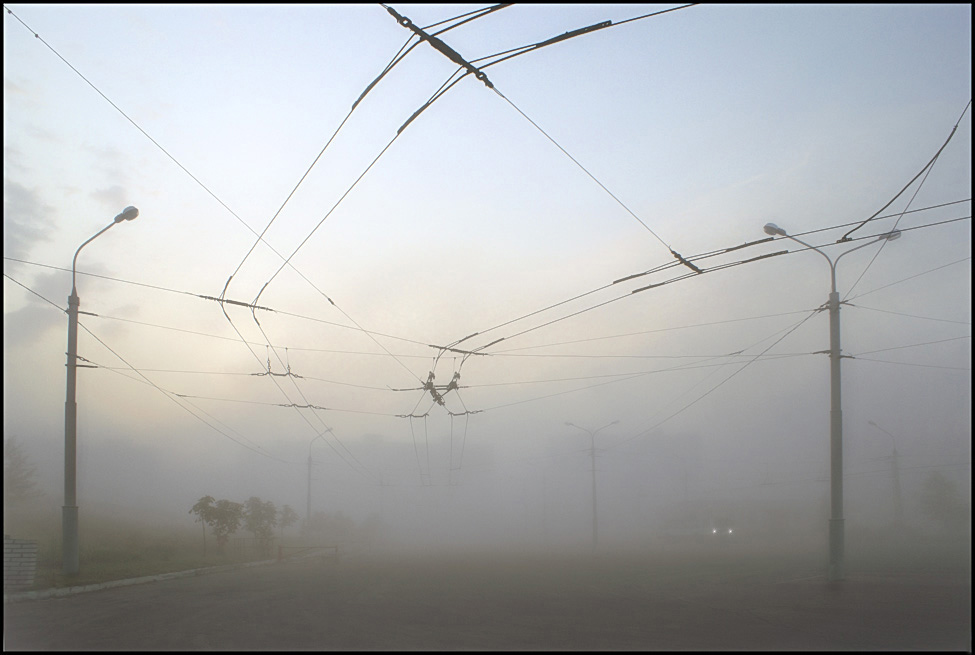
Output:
x=58 y=592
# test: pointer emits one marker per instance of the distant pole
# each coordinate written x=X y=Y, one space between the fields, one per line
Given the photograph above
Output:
x=70 y=548
x=308 y=500
x=592 y=457
x=592 y=454
x=898 y=502
x=895 y=472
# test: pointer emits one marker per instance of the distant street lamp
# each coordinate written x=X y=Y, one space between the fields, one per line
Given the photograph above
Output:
x=69 y=512
x=836 y=521
x=308 y=502
x=895 y=470
x=592 y=453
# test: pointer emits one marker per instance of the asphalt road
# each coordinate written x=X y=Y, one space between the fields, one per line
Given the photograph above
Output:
x=493 y=602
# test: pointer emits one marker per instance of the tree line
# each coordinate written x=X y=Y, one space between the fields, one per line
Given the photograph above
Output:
x=258 y=517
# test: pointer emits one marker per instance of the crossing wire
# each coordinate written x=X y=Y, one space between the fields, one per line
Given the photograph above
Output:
x=925 y=168
x=396 y=59
x=185 y=170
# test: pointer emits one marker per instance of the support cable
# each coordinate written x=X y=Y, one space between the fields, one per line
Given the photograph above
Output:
x=399 y=56
x=601 y=185
x=521 y=50
x=653 y=427
x=906 y=186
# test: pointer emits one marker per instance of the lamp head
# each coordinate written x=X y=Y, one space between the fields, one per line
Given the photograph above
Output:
x=774 y=230
x=128 y=214
x=890 y=236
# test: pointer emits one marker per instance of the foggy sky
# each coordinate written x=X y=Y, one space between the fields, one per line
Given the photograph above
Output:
x=706 y=123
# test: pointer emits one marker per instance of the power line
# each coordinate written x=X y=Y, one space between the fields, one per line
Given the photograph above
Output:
x=171 y=395
x=396 y=59
x=594 y=179
x=168 y=395
x=882 y=361
x=715 y=387
x=917 y=275
x=193 y=177
x=669 y=281
x=925 y=318
x=906 y=186
x=642 y=332
x=913 y=345
x=525 y=49
x=136 y=125
x=223 y=301
x=614 y=299
x=909 y=203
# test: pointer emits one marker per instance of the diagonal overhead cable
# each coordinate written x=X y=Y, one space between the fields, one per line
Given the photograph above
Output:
x=649 y=272
x=846 y=237
x=521 y=50
x=168 y=394
x=197 y=180
x=403 y=51
x=137 y=126
x=883 y=245
x=470 y=68
x=683 y=408
x=677 y=255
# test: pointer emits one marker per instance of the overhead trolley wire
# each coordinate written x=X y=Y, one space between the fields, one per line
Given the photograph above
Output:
x=525 y=49
x=926 y=167
x=469 y=16
x=917 y=275
x=231 y=302
x=930 y=167
x=470 y=68
x=403 y=51
x=625 y=377
x=926 y=318
x=913 y=345
x=884 y=361
x=715 y=387
x=180 y=165
x=287 y=261
x=668 y=281
x=138 y=127
x=594 y=179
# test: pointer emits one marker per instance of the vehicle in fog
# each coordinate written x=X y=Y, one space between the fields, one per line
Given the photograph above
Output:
x=722 y=527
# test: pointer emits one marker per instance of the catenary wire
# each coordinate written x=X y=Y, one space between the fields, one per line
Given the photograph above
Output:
x=926 y=167
x=171 y=157
x=653 y=427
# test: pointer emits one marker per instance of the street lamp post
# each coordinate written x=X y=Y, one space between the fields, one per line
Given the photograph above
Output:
x=836 y=521
x=69 y=511
x=592 y=453
x=895 y=468
x=308 y=501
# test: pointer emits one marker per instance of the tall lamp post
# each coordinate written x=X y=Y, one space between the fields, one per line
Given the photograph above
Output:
x=308 y=501
x=69 y=512
x=592 y=453
x=895 y=468
x=836 y=521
